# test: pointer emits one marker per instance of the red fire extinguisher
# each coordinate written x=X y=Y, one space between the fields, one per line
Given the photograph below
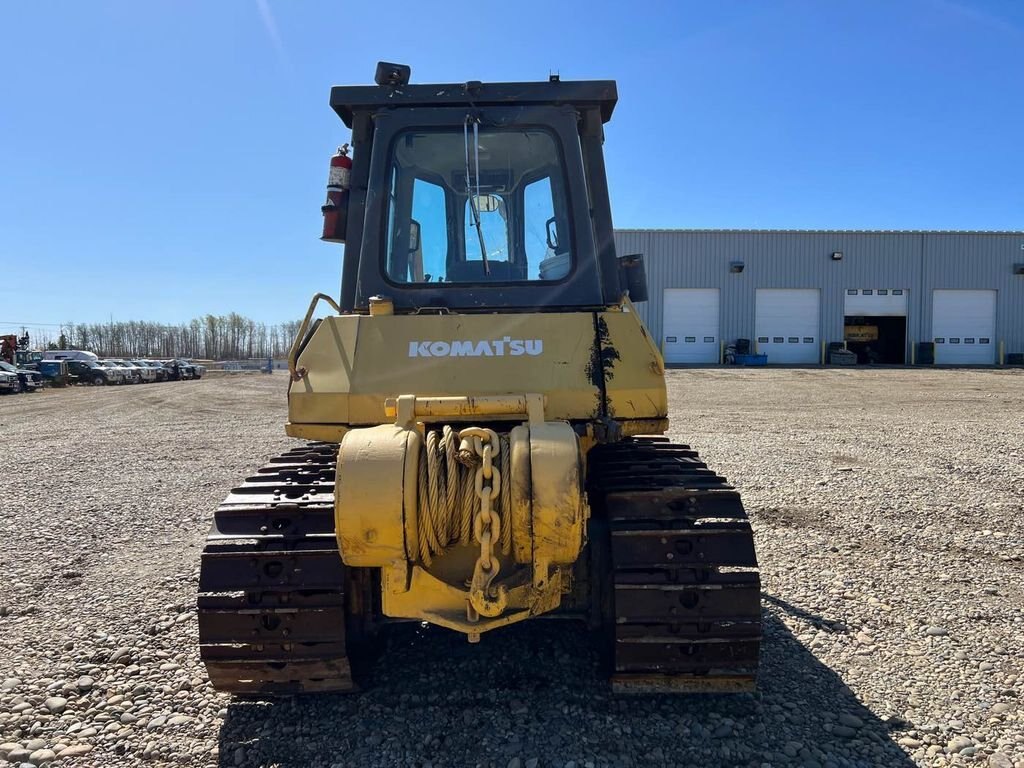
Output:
x=335 y=210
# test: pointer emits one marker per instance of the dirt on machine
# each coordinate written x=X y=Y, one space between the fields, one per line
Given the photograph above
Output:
x=482 y=413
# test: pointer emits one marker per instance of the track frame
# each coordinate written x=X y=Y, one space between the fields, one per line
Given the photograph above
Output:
x=680 y=593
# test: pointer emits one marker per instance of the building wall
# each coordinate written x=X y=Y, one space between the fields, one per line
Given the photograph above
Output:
x=918 y=262
x=979 y=261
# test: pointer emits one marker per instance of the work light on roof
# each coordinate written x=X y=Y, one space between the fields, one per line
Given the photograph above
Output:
x=394 y=75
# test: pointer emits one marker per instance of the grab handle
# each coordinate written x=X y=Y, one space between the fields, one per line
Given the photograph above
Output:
x=293 y=355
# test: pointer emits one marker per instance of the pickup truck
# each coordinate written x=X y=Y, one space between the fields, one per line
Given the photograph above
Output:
x=54 y=372
x=158 y=371
x=91 y=372
x=27 y=380
x=139 y=373
x=118 y=374
x=9 y=382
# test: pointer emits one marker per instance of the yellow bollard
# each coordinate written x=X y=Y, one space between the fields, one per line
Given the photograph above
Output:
x=913 y=352
x=721 y=352
x=1002 y=350
x=822 y=351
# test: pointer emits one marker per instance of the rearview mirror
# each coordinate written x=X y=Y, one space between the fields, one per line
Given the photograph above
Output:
x=486 y=203
x=414 y=235
x=633 y=276
x=552 y=234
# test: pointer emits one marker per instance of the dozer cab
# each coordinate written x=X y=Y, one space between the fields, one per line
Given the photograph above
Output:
x=483 y=412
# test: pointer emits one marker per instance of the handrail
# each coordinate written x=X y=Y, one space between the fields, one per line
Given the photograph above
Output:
x=293 y=354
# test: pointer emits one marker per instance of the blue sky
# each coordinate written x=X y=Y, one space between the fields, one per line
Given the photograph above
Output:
x=164 y=159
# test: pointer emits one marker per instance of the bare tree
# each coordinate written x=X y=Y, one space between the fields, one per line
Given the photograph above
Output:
x=212 y=337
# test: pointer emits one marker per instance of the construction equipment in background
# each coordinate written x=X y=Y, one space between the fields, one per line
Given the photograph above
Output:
x=8 y=347
x=484 y=411
x=15 y=350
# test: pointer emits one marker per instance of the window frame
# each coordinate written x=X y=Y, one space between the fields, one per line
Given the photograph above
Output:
x=592 y=285
x=389 y=242
x=457 y=220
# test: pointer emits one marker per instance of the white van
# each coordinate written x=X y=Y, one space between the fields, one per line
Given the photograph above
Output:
x=70 y=354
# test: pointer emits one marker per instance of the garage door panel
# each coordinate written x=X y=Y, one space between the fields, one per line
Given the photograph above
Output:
x=691 y=325
x=876 y=302
x=786 y=324
x=964 y=326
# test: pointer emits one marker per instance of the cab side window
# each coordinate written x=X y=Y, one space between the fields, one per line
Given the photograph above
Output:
x=547 y=250
x=428 y=258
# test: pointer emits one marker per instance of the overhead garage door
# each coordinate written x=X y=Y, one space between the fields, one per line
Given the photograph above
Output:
x=786 y=324
x=876 y=302
x=691 y=325
x=964 y=327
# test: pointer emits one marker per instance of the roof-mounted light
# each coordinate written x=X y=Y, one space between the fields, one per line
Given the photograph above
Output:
x=393 y=75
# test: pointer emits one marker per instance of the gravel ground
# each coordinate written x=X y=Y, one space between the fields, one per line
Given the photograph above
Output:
x=888 y=512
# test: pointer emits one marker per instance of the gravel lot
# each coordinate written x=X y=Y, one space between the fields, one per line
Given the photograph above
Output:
x=888 y=511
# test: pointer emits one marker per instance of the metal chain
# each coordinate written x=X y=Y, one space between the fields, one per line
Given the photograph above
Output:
x=487 y=525
x=461 y=500
x=447 y=502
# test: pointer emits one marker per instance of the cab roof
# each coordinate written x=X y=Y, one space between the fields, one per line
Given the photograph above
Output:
x=347 y=99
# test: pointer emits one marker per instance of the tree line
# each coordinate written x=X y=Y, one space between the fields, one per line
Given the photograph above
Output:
x=212 y=337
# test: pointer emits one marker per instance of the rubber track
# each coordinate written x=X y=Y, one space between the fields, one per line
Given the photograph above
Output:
x=271 y=585
x=684 y=580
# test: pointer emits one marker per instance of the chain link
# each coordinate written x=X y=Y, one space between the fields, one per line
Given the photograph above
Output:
x=483 y=599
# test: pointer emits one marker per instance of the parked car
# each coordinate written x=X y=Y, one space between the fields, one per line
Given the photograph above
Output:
x=140 y=373
x=187 y=371
x=198 y=370
x=165 y=372
x=28 y=380
x=148 y=374
x=9 y=382
x=54 y=372
x=158 y=373
x=120 y=374
x=177 y=370
x=92 y=372
x=133 y=375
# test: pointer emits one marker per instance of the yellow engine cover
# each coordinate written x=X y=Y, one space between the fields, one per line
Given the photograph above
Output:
x=587 y=365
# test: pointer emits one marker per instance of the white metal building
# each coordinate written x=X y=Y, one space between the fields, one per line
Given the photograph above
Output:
x=792 y=292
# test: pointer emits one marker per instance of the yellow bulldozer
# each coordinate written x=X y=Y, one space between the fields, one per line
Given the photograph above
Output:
x=482 y=414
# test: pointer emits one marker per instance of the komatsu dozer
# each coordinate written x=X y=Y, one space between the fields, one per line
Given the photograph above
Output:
x=482 y=413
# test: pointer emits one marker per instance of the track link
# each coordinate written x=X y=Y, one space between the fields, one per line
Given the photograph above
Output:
x=271 y=584
x=684 y=591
